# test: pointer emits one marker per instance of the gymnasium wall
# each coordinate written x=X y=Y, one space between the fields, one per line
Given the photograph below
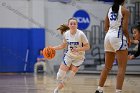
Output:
x=22 y=33
x=28 y=25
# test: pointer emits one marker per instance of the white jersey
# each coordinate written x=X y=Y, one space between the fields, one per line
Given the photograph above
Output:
x=115 y=22
x=75 y=41
x=114 y=39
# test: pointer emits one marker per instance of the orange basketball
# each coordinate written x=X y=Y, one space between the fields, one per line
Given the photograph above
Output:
x=49 y=52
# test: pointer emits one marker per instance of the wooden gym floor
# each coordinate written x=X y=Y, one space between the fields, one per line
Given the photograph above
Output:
x=82 y=83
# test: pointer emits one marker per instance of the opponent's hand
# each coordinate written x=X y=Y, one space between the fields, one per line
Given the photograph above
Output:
x=130 y=57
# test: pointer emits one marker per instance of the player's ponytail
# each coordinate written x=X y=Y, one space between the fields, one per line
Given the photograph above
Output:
x=117 y=3
x=63 y=28
x=115 y=7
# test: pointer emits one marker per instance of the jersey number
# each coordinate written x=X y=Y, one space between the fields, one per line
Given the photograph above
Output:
x=113 y=16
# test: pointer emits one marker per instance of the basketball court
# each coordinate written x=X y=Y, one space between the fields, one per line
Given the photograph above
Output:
x=82 y=83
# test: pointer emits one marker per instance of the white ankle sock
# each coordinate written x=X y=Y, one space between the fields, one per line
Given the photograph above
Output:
x=100 y=88
x=118 y=91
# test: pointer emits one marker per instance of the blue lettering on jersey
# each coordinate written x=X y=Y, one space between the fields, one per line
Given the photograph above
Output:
x=113 y=16
x=73 y=45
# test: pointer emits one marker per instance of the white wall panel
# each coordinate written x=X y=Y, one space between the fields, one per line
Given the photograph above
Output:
x=21 y=13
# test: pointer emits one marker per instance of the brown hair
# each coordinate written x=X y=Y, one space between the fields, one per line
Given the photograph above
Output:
x=72 y=19
x=63 y=28
x=136 y=27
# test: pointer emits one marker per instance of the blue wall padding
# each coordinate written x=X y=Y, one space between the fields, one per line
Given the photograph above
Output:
x=14 y=43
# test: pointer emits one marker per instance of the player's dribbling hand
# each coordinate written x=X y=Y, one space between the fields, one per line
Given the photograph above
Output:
x=51 y=47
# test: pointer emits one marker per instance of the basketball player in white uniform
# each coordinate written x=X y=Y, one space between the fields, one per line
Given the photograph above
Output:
x=116 y=43
x=76 y=43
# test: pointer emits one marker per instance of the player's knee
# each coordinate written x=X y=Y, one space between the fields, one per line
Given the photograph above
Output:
x=107 y=68
x=61 y=75
x=70 y=75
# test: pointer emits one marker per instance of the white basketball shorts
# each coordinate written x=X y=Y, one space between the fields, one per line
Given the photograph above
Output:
x=67 y=60
x=112 y=43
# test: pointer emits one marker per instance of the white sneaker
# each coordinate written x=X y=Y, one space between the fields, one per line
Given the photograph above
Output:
x=118 y=91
